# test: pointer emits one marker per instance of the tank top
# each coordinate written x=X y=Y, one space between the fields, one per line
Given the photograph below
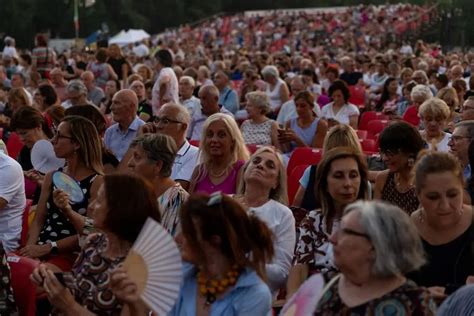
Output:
x=56 y=225
x=100 y=73
x=274 y=95
x=306 y=134
x=407 y=201
x=228 y=186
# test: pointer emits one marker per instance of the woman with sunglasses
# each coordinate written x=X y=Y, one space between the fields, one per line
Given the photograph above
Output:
x=51 y=237
x=375 y=245
x=400 y=144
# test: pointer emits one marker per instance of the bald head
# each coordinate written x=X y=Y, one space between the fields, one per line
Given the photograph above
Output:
x=129 y=97
x=124 y=107
x=88 y=78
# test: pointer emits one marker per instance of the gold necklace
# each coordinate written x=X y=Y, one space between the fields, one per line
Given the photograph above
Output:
x=218 y=175
x=399 y=187
x=210 y=288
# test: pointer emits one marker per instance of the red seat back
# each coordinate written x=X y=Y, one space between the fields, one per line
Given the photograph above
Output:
x=357 y=95
x=252 y=148
x=194 y=142
x=294 y=181
x=303 y=156
x=25 y=223
x=376 y=126
x=23 y=289
x=362 y=134
x=365 y=118
x=369 y=146
x=14 y=145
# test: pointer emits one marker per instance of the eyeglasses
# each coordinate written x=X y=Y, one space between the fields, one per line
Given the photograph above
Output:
x=456 y=138
x=164 y=120
x=388 y=153
x=58 y=135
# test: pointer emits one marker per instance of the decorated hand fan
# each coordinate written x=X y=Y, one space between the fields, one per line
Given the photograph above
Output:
x=305 y=301
x=154 y=263
x=67 y=184
x=43 y=158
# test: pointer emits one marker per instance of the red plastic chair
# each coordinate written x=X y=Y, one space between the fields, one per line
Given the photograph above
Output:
x=381 y=116
x=357 y=95
x=362 y=134
x=25 y=223
x=365 y=118
x=376 y=126
x=369 y=146
x=23 y=289
x=252 y=148
x=14 y=145
x=194 y=142
x=294 y=181
x=303 y=156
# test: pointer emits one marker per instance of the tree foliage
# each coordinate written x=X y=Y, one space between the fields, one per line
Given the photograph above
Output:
x=22 y=19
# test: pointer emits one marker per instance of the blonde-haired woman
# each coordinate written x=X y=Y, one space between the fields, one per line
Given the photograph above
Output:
x=449 y=95
x=434 y=113
x=118 y=62
x=259 y=129
x=51 y=236
x=222 y=154
x=263 y=190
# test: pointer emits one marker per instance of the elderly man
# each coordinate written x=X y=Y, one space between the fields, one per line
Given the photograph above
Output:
x=76 y=93
x=288 y=109
x=94 y=93
x=228 y=98
x=166 y=86
x=209 y=96
x=468 y=109
x=350 y=76
x=186 y=89
x=124 y=112
x=12 y=202
x=459 y=142
x=59 y=83
x=173 y=120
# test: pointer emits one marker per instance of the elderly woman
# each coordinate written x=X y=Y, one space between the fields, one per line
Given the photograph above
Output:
x=187 y=85
x=263 y=191
x=76 y=94
x=276 y=90
x=259 y=129
x=400 y=144
x=374 y=247
x=340 y=111
x=222 y=155
x=123 y=204
x=341 y=179
x=449 y=96
x=339 y=136
x=444 y=223
x=153 y=156
x=434 y=114
x=419 y=94
x=306 y=130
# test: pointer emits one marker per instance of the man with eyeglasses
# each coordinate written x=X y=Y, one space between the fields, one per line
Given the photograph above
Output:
x=173 y=120
x=459 y=144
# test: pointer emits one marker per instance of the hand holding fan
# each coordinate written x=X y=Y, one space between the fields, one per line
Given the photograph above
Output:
x=305 y=301
x=154 y=264
x=67 y=184
x=43 y=157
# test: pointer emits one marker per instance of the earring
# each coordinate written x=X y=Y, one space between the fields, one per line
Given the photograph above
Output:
x=411 y=162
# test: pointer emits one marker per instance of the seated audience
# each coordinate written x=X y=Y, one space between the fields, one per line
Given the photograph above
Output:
x=340 y=111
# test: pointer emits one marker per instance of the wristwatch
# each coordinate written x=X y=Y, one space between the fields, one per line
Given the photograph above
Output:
x=54 y=248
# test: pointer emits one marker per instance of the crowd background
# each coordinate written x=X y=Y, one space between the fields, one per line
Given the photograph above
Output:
x=242 y=128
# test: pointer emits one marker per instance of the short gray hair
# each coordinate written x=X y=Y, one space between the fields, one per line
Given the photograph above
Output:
x=421 y=91
x=260 y=99
x=78 y=86
x=397 y=245
x=158 y=147
x=183 y=114
x=468 y=125
x=270 y=71
x=189 y=79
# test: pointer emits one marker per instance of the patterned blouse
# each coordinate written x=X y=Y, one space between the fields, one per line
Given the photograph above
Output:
x=258 y=134
x=406 y=300
x=313 y=247
x=170 y=202
x=90 y=277
x=407 y=201
x=7 y=301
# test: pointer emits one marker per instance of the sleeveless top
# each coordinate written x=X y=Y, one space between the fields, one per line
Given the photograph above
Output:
x=407 y=201
x=258 y=134
x=56 y=225
x=274 y=95
x=228 y=186
x=100 y=73
x=306 y=134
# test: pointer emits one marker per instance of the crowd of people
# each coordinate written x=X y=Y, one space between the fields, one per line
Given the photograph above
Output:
x=199 y=133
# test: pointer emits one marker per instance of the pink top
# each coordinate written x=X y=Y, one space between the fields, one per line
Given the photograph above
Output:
x=228 y=186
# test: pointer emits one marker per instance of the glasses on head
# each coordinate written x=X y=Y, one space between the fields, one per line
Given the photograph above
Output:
x=58 y=135
x=456 y=138
x=164 y=120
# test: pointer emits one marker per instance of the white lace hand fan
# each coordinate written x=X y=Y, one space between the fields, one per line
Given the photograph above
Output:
x=154 y=263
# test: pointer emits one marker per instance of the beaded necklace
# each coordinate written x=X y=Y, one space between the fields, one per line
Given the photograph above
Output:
x=210 y=288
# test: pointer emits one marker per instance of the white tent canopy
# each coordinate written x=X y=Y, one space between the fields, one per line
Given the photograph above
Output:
x=130 y=36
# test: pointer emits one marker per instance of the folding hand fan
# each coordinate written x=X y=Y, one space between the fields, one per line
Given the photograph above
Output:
x=43 y=157
x=154 y=263
x=64 y=182
x=305 y=301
